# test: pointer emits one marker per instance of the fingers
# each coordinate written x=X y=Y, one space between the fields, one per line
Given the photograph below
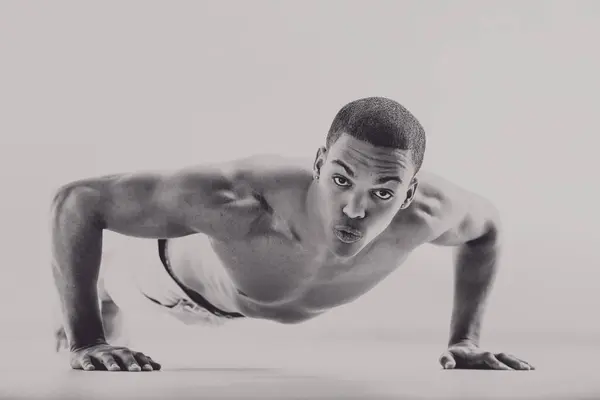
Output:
x=112 y=359
x=447 y=361
x=129 y=361
x=531 y=367
x=462 y=357
x=109 y=362
x=514 y=362
x=491 y=361
x=156 y=366
x=147 y=363
x=86 y=363
x=144 y=361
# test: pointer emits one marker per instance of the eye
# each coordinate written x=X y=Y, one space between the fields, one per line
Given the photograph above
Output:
x=383 y=194
x=341 y=181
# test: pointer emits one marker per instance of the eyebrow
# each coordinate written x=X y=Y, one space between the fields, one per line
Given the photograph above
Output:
x=345 y=166
x=385 y=179
x=380 y=181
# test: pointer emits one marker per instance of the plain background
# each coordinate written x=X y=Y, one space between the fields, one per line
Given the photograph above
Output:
x=507 y=91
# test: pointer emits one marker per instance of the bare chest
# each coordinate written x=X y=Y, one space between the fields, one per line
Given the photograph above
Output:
x=275 y=272
x=281 y=274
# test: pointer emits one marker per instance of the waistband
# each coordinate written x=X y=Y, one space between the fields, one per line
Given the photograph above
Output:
x=193 y=295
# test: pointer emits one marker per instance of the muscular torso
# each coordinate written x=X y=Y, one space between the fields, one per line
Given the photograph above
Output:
x=290 y=278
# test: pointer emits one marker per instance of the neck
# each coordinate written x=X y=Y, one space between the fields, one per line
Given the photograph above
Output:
x=314 y=216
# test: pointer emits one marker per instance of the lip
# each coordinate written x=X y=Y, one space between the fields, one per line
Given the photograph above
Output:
x=347 y=234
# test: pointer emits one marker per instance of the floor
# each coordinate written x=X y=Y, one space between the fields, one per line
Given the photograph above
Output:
x=308 y=369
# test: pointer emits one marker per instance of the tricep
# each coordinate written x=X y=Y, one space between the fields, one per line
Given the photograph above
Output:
x=168 y=204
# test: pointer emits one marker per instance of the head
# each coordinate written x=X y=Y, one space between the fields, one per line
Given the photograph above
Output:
x=366 y=172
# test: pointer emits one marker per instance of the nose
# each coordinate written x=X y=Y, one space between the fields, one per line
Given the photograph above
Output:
x=355 y=208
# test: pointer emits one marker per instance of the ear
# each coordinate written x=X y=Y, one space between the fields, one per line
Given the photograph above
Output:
x=410 y=194
x=319 y=160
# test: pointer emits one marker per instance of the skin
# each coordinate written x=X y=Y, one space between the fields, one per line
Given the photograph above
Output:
x=264 y=212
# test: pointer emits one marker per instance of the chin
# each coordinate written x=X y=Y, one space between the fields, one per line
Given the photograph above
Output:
x=345 y=250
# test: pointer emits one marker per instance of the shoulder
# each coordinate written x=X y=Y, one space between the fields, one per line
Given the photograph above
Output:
x=262 y=177
x=446 y=212
x=257 y=173
x=267 y=173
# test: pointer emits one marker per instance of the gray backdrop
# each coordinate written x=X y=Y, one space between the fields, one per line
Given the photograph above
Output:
x=507 y=91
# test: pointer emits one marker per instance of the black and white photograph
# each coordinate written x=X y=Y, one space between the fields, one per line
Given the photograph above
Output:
x=302 y=199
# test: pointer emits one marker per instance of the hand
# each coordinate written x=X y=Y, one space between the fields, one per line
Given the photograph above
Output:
x=111 y=358
x=469 y=356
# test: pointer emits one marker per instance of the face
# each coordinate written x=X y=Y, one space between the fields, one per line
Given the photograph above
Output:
x=361 y=188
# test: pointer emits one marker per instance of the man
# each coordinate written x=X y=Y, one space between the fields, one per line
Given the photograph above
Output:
x=268 y=238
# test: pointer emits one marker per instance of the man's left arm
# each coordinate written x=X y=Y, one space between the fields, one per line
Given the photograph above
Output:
x=477 y=237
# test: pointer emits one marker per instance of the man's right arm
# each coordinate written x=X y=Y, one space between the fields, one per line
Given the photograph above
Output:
x=211 y=200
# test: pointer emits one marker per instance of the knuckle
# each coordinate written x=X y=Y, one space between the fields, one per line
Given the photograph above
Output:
x=122 y=353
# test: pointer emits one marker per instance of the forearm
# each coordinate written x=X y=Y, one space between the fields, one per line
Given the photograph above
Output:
x=475 y=270
x=76 y=253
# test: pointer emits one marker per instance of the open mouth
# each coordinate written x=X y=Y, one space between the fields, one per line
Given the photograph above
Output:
x=346 y=234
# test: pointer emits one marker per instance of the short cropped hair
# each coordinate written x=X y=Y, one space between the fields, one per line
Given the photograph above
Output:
x=381 y=122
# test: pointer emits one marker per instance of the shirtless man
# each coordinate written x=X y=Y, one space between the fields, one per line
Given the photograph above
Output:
x=278 y=240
